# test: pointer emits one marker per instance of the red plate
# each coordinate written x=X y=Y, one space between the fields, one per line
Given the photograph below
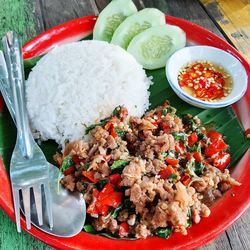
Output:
x=224 y=212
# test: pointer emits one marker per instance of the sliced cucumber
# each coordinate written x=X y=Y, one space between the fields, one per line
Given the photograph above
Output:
x=154 y=46
x=135 y=24
x=111 y=17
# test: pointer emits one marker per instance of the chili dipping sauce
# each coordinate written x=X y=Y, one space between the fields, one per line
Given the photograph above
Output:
x=205 y=80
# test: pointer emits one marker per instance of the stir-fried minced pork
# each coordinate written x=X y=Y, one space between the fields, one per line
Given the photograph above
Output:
x=147 y=176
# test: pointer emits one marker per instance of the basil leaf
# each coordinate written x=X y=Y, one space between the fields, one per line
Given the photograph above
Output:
x=101 y=183
x=119 y=165
x=67 y=163
x=114 y=213
x=86 y=166
x=127 y=203
x=101 y=123
x=115 y=236
x=164 y=154
x=167 y=110
x=201 y=135
x=116 y=111
x=199 y=167
x=89 y=229
x=180 y=136
x=189 y=220
x=191 y=167
x=163 y=232
x=120 y=133
x=172 y=177
x=195 y=148
x=170 y=154
x=195 y=168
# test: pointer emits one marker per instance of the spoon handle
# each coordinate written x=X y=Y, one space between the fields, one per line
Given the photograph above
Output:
x=5 y=86
x=13 y=55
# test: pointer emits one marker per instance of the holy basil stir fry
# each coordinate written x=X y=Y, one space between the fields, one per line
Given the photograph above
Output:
x=148 y=176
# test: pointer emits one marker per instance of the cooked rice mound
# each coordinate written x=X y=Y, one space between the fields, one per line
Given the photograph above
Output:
x=80 y=83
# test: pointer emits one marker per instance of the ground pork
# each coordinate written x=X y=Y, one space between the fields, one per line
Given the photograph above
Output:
x=68 y=182
x=133 y=172
x=155 y=193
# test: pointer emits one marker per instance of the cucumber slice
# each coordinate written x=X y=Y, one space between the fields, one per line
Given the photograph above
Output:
x=111 y=17
x=135 y=24
x=154 y=46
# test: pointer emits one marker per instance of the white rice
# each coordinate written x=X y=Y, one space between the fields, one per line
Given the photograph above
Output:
x=80 y=83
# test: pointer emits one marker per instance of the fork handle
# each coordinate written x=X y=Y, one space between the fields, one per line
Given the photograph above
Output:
x=13 y=55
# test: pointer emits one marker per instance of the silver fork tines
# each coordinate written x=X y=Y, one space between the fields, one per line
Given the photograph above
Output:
x=29 y=169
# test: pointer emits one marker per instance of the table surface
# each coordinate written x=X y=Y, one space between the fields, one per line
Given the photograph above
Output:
x=227 y=19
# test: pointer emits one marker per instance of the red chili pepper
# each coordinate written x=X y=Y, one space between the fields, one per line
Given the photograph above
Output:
x=185 y=179
x=95 y=193
x=171 y=161
x=108 y=125
x=166 y=172
x=108 y=188
x=89 y=175
x=204 y=83
x=247 y=133
x=107 y=158
x=197 y=156
x=112 y=200
x=215 y=147
x=101 y=209
x=92 y=209
x=165 y=128
x=104 y=199
x=112 y=131
x=75 y=159
x=123 y=229
x=179 y=147
x=70 y=170
x=115 y=179
x=192 y=139
x=155 y=124
x=159 y=114
x=189 y=156
x=214 y=135
x=221 y=161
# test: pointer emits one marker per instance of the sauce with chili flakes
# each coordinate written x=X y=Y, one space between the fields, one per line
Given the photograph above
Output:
x=205 y=80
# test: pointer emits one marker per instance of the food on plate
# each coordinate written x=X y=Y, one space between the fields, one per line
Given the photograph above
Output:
x=80 y=83
x=135 y=24
x=144 y=34
x=205 y=80
x=111 y=17
x=155 y=45
x=147 y=176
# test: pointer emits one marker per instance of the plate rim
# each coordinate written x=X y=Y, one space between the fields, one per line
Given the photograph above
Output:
x=78 y=28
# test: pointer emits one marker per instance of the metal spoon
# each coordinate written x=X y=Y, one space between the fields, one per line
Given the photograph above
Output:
x=68 y=209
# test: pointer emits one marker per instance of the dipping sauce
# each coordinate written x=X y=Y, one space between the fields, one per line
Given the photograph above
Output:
x=205 y=80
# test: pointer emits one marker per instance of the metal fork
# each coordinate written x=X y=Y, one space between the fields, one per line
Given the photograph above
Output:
x=29 y=170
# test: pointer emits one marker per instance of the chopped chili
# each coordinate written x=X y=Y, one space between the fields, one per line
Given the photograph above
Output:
x=221 y=161
x=171 y=161
x=205 y=81
x=166 y=172
x=123 y=229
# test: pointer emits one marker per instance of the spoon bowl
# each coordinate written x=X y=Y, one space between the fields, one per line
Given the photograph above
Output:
x=68 y=209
